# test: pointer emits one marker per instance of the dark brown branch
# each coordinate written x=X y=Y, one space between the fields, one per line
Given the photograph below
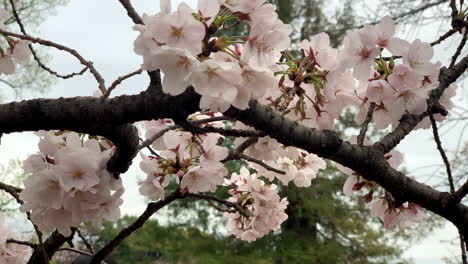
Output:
x=12 y=190
x=119 y=81
x=131 y=12
x=458 y=196
x=24 y=243
x=161 y=133
x=51 y=245
x=365 y=125
x=435 y=131
x=259 y=162
x=445 y=36
x=219 y=200
x=225 y=132
x=459 y=48
x=85 y=241
x=124 y=233
x=73 y=52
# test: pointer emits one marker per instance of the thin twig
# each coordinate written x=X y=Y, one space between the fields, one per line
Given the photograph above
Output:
x=459 y=49
x=85 y=241
x=33 y=52
x=131 y=12
x=119 y=81
x=365 y=125
x=124 y=233
x=24 y=243
x=261 y=163
x=81 y=252
x=73 y=52
x=219 y=200
x=445 y=36
x=450 y=178
x=12 y=190
x=161 y=133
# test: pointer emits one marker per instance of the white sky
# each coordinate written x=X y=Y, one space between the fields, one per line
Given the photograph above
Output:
x=101 y=32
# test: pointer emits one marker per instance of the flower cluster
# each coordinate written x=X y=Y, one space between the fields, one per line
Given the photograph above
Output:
x=69 y=183
x=383 y=206
x=12 y=252
x=192 y=160
x=17 y=52
x=261 y=201
x=180 y=43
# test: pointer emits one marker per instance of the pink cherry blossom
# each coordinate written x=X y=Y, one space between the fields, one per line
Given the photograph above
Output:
x=179 y=30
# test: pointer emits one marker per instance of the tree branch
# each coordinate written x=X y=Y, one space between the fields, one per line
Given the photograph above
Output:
x=124 y=233
x=33 y=52
x=131 y=12
x=365 y=125
x=408 y=121
x=219 y=200
x=119 y=81
x=87 y=64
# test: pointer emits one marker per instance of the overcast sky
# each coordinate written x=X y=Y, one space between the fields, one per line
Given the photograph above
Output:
x=102 y=33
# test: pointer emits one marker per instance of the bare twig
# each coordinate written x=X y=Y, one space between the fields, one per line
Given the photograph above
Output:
x=124 y=233
x=460 y=48
x=24 y=243
x=12 y=190
x=85 y=241
x=73 y=52
x=81 y=252
x=119 y=81
x=365 y=125
x=219 y=200
x=33 y=52
x=445 y=36
x=161 y=133
x=261 y=163
x=131 y=12
x=450 y=178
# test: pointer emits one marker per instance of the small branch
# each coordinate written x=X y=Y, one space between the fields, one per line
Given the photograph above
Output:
x=131 y=12
x=225 y=132
x=81 y=252
x=246 y=144
x=33 y=52
x=119 y=81
x=124 y=233
x=458 y=196
x=445 y=36
x=24 y=243
x=85 y=241
x=219 y=200
x=365 y=125
x=450 y=178
x=161 y=133
x=442 y=153
x=460 y=48
x=73 y=52
x=12 y=190
x=261 y=163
